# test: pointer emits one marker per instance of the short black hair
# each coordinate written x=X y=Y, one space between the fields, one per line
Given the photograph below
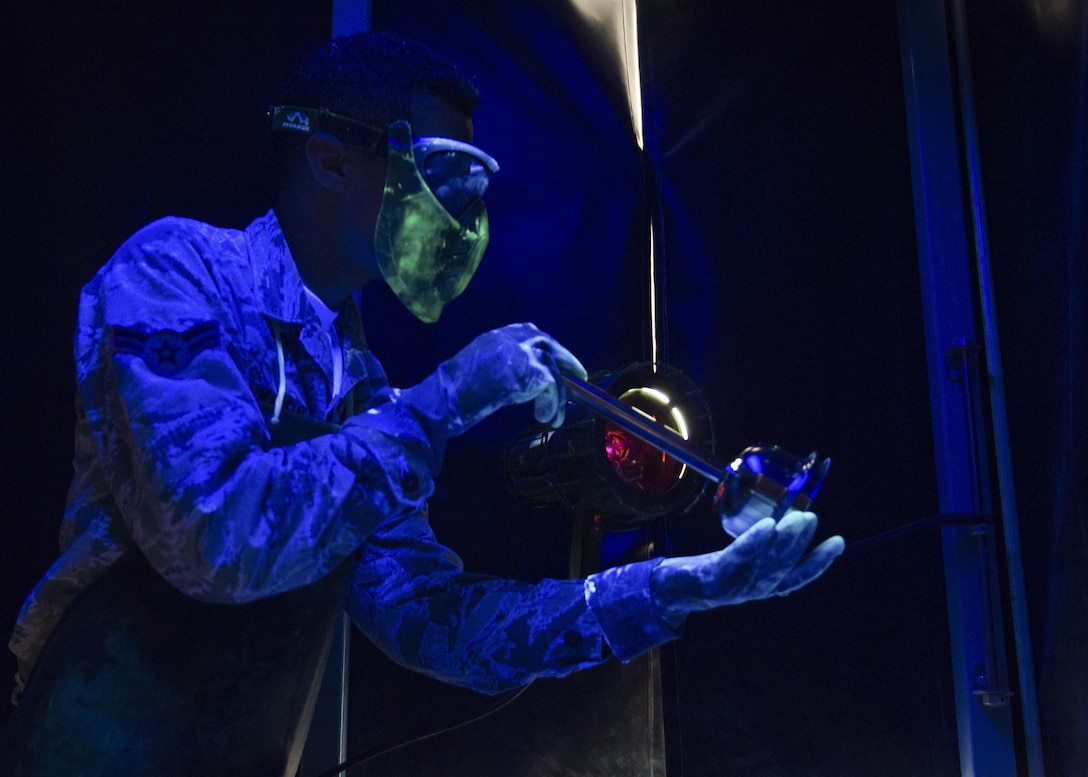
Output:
x=373 y=77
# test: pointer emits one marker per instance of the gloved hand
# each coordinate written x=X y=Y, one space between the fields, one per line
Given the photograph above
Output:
x=507 y=366
x=755 y=508
x=768 y=559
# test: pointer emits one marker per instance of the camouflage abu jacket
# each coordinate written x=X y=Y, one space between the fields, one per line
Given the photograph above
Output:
x=180 y=336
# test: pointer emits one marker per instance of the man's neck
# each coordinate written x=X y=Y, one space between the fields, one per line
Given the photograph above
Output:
x=310 y=230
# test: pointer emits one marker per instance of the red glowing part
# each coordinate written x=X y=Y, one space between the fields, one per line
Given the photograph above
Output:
x=638 y=464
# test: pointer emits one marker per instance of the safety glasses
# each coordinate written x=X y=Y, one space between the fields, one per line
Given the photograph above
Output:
x=457 y=173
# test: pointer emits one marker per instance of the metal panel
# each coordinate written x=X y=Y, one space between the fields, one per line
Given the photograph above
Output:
x=985 y=722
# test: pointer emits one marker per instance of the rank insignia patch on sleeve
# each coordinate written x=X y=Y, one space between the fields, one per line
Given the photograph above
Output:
x=165 y=351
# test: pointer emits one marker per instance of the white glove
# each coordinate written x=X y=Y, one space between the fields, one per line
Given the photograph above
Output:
x=507 y=366
x=766 y=560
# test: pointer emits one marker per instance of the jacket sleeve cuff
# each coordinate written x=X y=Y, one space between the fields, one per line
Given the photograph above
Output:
x=620 y=599
x=428 y=405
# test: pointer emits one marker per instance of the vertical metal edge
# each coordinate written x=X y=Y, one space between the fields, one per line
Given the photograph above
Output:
x=342 y=641
x=999 y=418
x=986 y=737
x=350 y=16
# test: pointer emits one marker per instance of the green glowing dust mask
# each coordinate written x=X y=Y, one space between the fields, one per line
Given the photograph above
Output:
x=432 y=228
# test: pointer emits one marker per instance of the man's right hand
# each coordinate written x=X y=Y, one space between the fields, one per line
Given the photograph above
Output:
x=507 y=366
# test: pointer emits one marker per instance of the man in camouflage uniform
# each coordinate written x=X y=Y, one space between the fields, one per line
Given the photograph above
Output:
x=243 y=471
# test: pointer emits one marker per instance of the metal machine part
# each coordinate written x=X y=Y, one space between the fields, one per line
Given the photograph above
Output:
x=646 y=449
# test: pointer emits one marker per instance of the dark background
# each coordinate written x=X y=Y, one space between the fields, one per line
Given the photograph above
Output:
x=777 y=133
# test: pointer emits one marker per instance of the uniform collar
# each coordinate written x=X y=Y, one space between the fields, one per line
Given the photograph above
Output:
x=281 y=293
x=325 y=315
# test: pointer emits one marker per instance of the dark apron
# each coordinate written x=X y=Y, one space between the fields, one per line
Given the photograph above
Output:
x=140 y=679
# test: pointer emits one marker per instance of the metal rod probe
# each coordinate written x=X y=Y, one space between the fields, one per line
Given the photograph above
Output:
x=659 y=436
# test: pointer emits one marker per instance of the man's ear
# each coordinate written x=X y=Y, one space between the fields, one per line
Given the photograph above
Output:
x=327 y=160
